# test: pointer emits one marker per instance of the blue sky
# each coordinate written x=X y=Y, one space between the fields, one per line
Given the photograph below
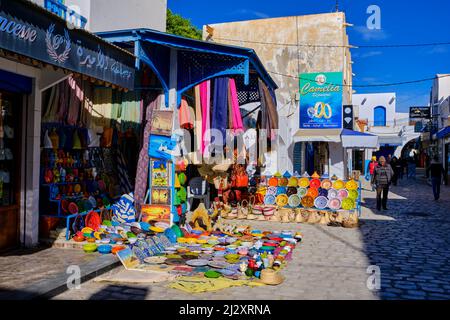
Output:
x=402 y=21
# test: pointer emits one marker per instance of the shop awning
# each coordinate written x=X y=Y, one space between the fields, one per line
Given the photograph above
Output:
x=391 y=141
x=443 y=133
x=197 y=61
x=31 y=31
x=304 y=135
x=358 y=140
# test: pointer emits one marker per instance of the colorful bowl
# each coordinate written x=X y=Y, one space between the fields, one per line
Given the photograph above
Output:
x=269 y=199
x=272 y=191
x=303 y=182
x=281 y=190
x=312 y=192
x=321 y=202
x=293 y=182
x=353 y=194
x=307 y=202
x=326 y=184
x=302 y=192
x=342 y=194
x=333 y=193
x=273 y=182
x=351 y=185
x=105 y=249
x=282 y=200
x=348 y=204
x=294 y=201
x=315 y=183
x=90 y=247
x=291 y=191
x=338 y=185
x=283 y=182
x=335 y=204
x=323 y=192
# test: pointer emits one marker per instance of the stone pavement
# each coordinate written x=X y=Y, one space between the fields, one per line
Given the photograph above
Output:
x=410 y=244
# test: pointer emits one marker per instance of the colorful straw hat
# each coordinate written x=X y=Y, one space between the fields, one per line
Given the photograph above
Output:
x=327 y=184
x=315 y=183
x=351 y=185
x=307 y=201
x=321 y=202
x=282 y=200
x=271 y=277
x=312 y=192
x=334 y=204
x=338 y=185
x=303 y=182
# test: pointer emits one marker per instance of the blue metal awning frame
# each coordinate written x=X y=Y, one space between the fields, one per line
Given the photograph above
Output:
x=443 y=133
x=154 y=49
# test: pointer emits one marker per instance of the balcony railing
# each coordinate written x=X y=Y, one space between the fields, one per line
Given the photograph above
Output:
x=66 y=13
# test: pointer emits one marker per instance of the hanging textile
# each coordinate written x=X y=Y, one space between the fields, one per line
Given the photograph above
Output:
x=220 y=109
x=64 y=96
x=124 y=180
x=76 y=96
x=130 y=112
x=140 y=186
x=52 y=106
x=269 y=115
x=185 y=117
x=102 y=107
x=205 y=97
x=198 y=125
x=86 y=105
x=237 y=125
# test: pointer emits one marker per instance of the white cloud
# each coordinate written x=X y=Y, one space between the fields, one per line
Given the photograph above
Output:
x=438 y=50
x=257 y=14
x=369 y=35
x=371 y=54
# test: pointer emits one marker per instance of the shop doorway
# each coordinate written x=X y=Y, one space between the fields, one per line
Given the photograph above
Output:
x=317 y=157
x=11 y=110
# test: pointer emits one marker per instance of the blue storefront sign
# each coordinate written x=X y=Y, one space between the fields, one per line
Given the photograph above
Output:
x=31 y=31
x=321 y=100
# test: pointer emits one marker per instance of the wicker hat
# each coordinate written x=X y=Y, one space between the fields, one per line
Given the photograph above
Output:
x=271 y=277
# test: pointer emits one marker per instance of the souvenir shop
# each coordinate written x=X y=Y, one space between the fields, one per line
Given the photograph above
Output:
x=46 y=72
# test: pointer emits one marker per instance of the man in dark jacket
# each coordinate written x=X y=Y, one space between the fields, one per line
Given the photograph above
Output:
x=436 y=171
x=381 y=179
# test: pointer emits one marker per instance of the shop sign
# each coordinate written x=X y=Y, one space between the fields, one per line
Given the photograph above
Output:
x=420 y=113
x=42 y=36
x=321 y=100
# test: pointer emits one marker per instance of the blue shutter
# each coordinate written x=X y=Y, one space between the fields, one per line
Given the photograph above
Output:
x=379 y=116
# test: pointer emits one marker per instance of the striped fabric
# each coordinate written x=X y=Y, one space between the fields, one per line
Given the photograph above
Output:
x=123 y=210
x=125 y=184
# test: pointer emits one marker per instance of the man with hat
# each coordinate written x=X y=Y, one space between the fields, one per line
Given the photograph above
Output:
x=381 y=179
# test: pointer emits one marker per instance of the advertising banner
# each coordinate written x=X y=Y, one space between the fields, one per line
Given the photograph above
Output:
x=321 y=100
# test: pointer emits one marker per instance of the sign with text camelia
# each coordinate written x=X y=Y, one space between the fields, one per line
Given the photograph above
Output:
x=321 y=100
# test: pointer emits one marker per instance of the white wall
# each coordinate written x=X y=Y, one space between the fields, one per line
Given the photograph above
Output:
x=373 y=100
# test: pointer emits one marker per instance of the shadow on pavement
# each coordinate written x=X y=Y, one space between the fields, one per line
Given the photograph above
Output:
x=120 y=292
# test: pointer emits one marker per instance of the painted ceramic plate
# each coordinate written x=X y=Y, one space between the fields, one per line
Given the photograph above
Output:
x=342 y=194
x=282 y=200
x=312 y=192
x=272 y=191
x=332 y=193
x=281 y=190
x=321 y=202
x=218 y=264
x=283 y=182
x=227 y=272
x=293 y=182
x=174 y=262
x=162 y=225
x=197 y=263
x=338 y=185
x=273 y=182
x=323 y=193
x=307 y=202
x=302 y=192
x=303 y=182
x=334 y=204
x=269 y=199
x=348 y=204
x=351 y=185
x=294 y=201
x=353 y=194
x=315 y=183
x=327 y=184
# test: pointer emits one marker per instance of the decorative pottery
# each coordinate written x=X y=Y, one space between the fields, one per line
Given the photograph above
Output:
x=303 y=182
x=338 y=185
x=334 y=204
x=269 y=199
x=323 y=193
x=282 y=200
x=272 y=191
x=307 y=201
x=281 y=190
x=302 y=192
x=326 y=184
x=197 y=263
x=291 y=191
x=321 y=202
x=353 y=194
x=273 y=182
x=351 y=185
x=333 y=193
x=90 y=247
x=348 y=204
x=342 y=194
x=283 y=182
x=315 y=183
x=294 y=201
x=293 y=182
x=312 y=192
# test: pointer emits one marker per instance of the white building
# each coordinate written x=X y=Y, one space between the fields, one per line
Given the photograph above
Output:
x=376 y=113
x=109 y=15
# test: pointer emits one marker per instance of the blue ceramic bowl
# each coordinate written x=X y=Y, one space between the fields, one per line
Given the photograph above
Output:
x=104 y=249
x=171 y=235
x=144 y=226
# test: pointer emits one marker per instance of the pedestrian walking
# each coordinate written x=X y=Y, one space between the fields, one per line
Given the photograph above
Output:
x=411 y=168
x=436 y=171
x=382 y=179
x=372 y=165
x=397 y=167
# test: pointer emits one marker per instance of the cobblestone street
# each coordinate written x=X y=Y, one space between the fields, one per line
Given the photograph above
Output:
x=410 y=244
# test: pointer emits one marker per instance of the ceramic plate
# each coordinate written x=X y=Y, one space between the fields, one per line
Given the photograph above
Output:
x=335 y=204
x=197 y=263
x=272 y=191
x=348 y=204
x=342 y=194
x=269 y=199
x=302 y=192
x=294 y=201
x=321 y=202
x=282 y=200
x=327 y=184
x=332 y=193
x=218 y=264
